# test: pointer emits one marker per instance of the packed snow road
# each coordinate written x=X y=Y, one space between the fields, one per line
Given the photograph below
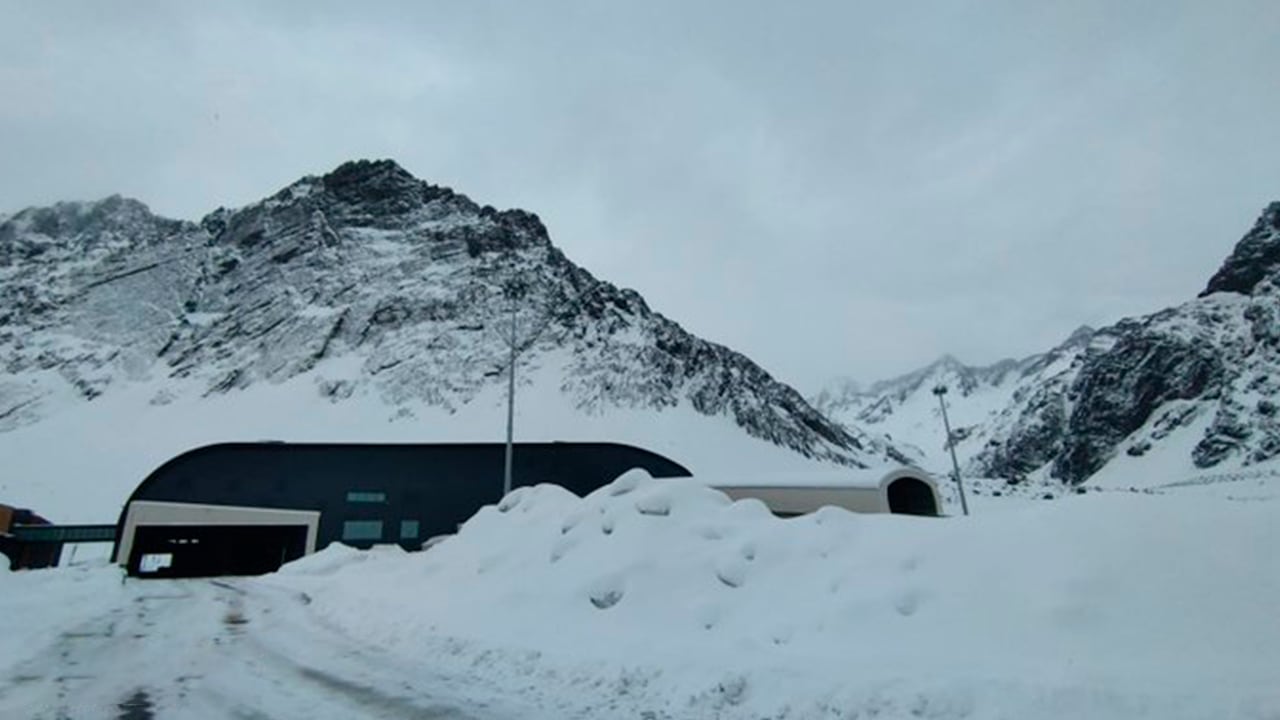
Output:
x=221 y=649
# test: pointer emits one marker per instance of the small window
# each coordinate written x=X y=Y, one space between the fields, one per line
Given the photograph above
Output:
x=359 y=496
x=362 y=530
x=408 y=529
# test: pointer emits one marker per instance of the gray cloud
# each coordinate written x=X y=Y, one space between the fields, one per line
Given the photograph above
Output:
x=835 y=188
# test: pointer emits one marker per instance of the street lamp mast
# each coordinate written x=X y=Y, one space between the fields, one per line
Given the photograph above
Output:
x=941 y=390
x=517 y=292
x=511 y=403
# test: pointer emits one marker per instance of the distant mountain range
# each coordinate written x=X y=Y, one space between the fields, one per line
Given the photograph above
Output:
x=1194 y=384
x=370 y=286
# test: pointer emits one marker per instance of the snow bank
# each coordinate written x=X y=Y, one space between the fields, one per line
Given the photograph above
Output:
x=336 y=557
x=664 y=597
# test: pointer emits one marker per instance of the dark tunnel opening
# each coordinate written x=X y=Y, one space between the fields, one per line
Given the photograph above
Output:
x=912 y=496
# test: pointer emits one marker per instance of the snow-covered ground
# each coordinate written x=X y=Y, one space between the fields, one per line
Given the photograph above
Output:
x=660 y=599
x=78 y=643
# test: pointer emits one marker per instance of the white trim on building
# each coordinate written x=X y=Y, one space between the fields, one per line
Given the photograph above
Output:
x=152 y=512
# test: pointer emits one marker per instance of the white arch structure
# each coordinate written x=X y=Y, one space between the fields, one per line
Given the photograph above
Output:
x=902 y=490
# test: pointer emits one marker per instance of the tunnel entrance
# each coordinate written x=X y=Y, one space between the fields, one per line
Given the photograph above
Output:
x=212 y=550
x=912 y=496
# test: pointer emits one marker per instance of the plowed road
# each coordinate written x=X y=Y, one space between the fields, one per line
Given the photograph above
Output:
x=224 y=649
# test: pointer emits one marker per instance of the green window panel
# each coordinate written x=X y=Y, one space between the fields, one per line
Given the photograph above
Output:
x=362 y=530
x=366 y=496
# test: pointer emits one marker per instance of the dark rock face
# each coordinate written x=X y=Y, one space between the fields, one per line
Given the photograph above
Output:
x=1209 y=367
x=1150 y=377
x=1034 y=440
x=1118 y=390
x=410 y=283
x=1255 y=257
x=1146 y=380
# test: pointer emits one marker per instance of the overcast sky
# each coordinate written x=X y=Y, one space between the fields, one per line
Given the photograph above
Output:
x=833 y=188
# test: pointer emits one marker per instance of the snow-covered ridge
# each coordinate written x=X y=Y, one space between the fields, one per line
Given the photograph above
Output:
x=1193 y=385
x=367 y=282
x=905 y=410
x=1255 y=258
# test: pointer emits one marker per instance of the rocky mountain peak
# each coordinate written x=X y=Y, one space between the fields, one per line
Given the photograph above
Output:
x=365 y=283
x=69 y=228
x=377 y=182
x=1195 y=379
x=1255 y=257
x=947 y=362
x=74 y=219
x=1080 y=336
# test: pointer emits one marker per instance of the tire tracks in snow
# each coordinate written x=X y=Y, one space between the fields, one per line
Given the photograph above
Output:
x=191 y=648
x=352 y=672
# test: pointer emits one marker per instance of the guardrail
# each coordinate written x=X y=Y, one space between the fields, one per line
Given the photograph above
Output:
x=63 y=533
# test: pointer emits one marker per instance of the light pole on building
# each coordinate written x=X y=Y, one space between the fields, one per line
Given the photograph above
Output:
x=941 y=390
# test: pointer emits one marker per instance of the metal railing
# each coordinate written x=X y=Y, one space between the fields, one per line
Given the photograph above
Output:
x=63 y=533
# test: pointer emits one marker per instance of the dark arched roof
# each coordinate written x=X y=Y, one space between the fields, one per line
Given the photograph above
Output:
x=277 y=474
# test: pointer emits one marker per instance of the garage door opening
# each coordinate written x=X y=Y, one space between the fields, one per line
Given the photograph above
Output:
x=169 y=551
x=911 y=496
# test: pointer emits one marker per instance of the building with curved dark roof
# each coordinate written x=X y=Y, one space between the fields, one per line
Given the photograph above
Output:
x=248 y=508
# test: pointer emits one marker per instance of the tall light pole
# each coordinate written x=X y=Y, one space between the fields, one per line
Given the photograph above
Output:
x=517 y=291
x=941 y=390
x=511 y=394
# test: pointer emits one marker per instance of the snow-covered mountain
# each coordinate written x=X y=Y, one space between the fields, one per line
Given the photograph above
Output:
x=905 y=409
x=1188 y=388
x=369 y=288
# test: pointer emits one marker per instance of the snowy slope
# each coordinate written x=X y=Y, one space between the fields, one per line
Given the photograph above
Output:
x=362 y=304
x=111 y=456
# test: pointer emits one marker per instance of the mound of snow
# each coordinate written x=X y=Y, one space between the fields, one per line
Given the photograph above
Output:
x=664 y=597
x=336 y=557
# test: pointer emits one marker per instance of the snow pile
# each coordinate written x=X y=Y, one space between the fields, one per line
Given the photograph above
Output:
x=663 y=597
x=335 y=558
